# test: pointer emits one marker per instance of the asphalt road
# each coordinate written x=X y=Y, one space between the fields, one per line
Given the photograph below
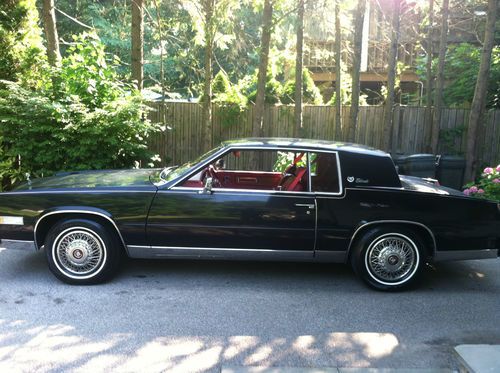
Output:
x=201 y=316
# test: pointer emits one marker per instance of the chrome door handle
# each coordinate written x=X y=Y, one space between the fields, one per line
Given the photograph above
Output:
x=308 y=205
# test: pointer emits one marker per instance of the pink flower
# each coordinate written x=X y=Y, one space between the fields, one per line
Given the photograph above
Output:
x=473 y=189
x=496 y=181
x=488 y=170
x=480 y=191
x=498 y=168
x=467 y=192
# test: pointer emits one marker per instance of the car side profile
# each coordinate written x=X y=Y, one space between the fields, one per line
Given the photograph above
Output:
x=253 y=199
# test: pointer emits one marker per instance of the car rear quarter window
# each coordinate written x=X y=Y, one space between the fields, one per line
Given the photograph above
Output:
x=324 y=173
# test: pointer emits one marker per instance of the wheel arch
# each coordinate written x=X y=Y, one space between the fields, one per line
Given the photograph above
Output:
x=49 y=218
x=421 y=229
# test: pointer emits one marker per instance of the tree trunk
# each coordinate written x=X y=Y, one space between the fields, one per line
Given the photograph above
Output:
x=208 y=9
x=428 y=78
x=480 y=92
x=138 y=42
x=160 y=36
x=338 y=72
x=265 y=41
x=49 y=22
x=391 y=73
x=443 y=42
x=299 y=60
x=356 y=66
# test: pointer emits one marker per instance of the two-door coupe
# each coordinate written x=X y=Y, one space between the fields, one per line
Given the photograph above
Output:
x=255 y=199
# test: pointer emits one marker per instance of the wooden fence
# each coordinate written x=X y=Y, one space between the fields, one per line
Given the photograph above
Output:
x=182 y=140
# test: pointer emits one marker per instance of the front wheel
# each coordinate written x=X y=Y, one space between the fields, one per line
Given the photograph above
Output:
x=388 y=259
x=82 y=252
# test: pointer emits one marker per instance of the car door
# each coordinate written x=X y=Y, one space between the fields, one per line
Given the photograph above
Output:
x=333 y=235
x=190 y=222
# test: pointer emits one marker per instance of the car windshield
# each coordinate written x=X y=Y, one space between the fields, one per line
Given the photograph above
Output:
x=171 y=173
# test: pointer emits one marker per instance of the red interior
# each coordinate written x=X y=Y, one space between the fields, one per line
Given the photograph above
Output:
x=259 y=180
x=248 y=179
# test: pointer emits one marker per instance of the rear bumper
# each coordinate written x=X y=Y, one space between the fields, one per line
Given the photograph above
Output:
x=449 y=255
x=17 y=245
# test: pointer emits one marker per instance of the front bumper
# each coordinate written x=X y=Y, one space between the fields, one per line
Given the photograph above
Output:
x=17 y=245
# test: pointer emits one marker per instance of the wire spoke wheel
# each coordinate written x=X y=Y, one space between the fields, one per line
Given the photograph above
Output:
x=392 y=259
x=79 y=252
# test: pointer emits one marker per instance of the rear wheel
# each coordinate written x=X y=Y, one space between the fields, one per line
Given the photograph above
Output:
x=388 y=258
x=82 y=252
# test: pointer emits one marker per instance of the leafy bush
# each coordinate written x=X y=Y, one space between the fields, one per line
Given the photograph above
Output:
x=273 y=88
x=84 y=117
x=310 y=93
x=221 y=83
x=229 y=97
x=488 y=186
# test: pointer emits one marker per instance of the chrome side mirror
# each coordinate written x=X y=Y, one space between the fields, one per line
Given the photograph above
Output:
x=207 y=189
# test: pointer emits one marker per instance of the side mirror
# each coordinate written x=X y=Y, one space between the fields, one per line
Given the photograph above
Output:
x=207 y=189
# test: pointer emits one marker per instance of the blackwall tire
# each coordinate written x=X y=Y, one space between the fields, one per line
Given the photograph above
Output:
x=82 y=252
x=388 y=258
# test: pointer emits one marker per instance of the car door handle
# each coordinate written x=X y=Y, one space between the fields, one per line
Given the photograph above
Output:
x=308 y=205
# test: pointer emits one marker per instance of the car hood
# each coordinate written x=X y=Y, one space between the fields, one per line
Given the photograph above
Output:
x=91 y=179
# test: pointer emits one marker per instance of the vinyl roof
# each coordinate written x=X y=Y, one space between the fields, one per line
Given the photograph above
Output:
x=279 y=142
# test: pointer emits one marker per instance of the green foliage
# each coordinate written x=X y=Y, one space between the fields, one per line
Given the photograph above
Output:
x=285 y=159
x=220 y=83
x=488 y=185
x=461 y=70
x=21 y=50
x=85 y=73
x=88 y=120
x=273 y=89
x=228 y=97
x=111 y=20
x=311 y=93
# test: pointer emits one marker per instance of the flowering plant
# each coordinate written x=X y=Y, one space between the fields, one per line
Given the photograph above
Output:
x=488 y=185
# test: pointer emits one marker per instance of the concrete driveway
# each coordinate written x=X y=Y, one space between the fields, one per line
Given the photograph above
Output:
x=201 y=316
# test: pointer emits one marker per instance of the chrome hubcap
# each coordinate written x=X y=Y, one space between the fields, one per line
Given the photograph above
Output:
x=391 y=258
x=79 y=252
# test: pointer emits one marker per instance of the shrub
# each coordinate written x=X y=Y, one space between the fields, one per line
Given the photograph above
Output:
x=84 y=118
x=221 y=83
x=229 y=97
x=488 y=185
x=273 y=88
x=310 y=93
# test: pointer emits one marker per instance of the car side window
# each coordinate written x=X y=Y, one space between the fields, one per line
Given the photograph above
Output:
x=257 y=170
x=324 y=173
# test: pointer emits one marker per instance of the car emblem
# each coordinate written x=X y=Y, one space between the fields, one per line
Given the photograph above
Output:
x=350 y=179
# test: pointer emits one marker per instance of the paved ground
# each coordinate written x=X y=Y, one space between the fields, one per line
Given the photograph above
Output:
x=201 y=316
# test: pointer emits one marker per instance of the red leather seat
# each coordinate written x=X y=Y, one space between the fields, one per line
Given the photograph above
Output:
x=293 y=181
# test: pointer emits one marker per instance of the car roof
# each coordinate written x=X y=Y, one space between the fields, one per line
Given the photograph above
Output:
x=312 y=144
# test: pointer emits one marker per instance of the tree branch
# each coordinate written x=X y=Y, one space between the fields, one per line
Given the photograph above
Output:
x=74 y=19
